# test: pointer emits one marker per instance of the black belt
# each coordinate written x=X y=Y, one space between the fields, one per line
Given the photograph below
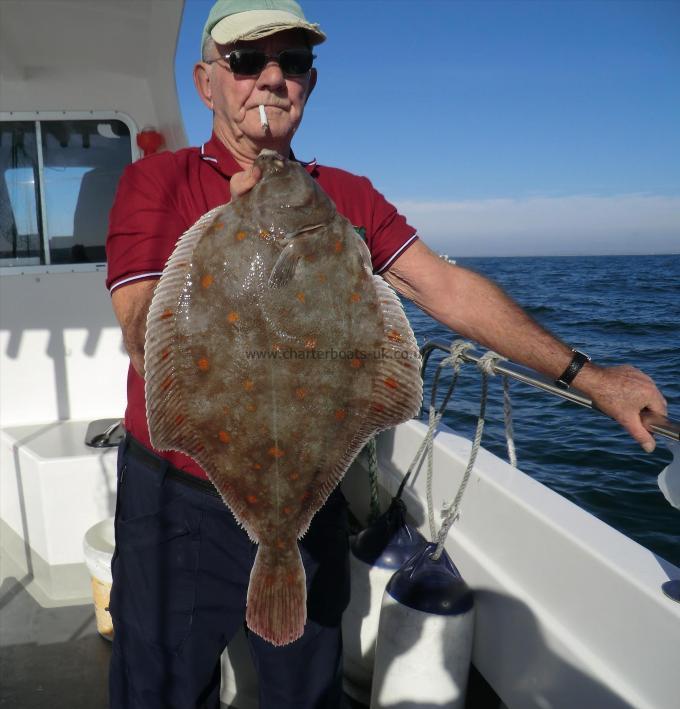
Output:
x=144 y=456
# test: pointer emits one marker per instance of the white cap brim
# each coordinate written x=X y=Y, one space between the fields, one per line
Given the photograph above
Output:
x=254 y=24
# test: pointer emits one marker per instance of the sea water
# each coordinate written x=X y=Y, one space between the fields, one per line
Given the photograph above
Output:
x=620 y=310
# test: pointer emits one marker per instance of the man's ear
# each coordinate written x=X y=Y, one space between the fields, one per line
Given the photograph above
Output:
x=202 y=83
x=312 y=83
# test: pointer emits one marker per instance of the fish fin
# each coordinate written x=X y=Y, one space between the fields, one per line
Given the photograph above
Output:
x=364 y=254
x=284 y=268
x=396 y=395
x=277 y=595
x=295 y=246
x=168 y=431
x=398 y=389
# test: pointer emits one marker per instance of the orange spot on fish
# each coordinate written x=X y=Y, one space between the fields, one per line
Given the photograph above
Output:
x=310 y=343
x=218 y=225
x=391 y=383
x=224 y=436
x=294 y=476
x=287 y=510
x=337 y=247
x=291 y=578
x=203 y=364
x=257 y=466
x=280 y=544
x=166 y=382
x=165 y=354
x=240 y=235
x=276 y=452
x=251 y=407
x=322 y=277
x=355 y=363
x=179 y=419
x=355 y=298
x=310 y=258
x=167 y=313
x=252 y=499
x=248 y=384
x=226 y=410
x=394 y=336
x=379 y=408
x=300 y=296
x=305 y=496
x=207 y=280
x=233 y=317
x=340 y=415
x=300 y=393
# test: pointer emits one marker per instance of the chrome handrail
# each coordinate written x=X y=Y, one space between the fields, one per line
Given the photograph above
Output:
x=654 y=423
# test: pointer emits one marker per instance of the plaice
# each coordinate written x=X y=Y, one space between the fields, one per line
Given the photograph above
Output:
x=272 y=355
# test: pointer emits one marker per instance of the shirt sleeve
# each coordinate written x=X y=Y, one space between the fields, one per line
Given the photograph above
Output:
x=144 y=223
x=388 y=234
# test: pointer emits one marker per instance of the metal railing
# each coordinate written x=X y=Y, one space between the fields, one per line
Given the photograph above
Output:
x=654 y=423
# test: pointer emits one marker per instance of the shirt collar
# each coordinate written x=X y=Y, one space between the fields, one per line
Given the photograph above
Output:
x=215 y=153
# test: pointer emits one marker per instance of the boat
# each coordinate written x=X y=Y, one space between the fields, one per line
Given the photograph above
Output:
x=569 y=612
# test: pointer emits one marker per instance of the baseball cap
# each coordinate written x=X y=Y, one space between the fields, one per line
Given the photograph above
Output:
x=233 y=20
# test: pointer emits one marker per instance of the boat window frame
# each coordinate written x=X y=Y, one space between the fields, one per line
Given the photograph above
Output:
x=37 y=117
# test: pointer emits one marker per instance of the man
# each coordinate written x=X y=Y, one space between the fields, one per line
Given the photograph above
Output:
x=181 y=564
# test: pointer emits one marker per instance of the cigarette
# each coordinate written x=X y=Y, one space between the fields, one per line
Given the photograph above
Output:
x=263 y=118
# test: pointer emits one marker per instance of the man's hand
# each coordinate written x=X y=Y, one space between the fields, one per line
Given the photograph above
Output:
x=242 y=182
x=623 y=393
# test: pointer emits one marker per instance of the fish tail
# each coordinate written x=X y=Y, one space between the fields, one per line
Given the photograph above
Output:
x=277 y=595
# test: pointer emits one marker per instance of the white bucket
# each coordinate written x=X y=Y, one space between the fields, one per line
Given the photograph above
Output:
x=98 y=546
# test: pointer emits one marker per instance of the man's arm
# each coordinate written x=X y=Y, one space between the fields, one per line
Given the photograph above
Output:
x=476 y=308
x=131 y=304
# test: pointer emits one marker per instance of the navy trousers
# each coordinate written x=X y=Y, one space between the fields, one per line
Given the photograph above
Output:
x=180 y=574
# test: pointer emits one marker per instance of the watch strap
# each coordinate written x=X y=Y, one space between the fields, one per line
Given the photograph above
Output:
x=575 y=366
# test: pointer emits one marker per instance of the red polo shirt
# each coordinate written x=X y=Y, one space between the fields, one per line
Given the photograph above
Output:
x=161 y=196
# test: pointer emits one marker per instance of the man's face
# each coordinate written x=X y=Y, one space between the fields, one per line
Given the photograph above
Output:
x=235 y=99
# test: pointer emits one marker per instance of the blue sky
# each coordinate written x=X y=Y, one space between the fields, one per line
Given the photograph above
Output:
x=532 y=127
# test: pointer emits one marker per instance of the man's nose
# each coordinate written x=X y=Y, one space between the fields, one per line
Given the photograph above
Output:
x=271 y=77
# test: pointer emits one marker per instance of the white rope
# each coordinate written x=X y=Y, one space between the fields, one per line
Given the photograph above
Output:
x=371 y=450
x=451 y=511
x=507 y=417
x=486 y=365
x=458 y=348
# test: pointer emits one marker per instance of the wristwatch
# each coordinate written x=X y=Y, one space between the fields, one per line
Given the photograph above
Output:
x=577 y=362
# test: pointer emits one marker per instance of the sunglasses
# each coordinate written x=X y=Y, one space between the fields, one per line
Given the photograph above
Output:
x=250 y=62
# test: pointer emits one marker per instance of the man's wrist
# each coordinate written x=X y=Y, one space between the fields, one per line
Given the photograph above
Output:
x=577 y=362
x=588 y=379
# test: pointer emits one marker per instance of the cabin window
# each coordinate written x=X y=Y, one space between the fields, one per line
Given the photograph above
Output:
x=58 y=180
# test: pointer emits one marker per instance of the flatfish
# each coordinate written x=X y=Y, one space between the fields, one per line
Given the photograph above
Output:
x=272 y=355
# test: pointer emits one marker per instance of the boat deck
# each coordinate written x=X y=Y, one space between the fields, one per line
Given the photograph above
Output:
x=52 y=657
